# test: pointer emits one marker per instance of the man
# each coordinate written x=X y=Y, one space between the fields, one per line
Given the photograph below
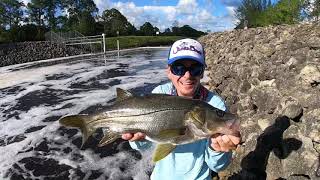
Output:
x=186 y=64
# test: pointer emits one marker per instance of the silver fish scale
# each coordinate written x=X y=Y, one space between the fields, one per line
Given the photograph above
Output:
x=149 y=114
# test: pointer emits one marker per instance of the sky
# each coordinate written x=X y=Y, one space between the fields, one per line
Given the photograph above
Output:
x=204 y=15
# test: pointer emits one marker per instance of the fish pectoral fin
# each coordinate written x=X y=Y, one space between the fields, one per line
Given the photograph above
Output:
x=171 y=133
x=123 y=94
x=79 y=121
x=109 y=137
x=197 y=115
x=162 y=150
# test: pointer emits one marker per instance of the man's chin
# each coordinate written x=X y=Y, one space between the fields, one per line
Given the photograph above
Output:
x=188 y=91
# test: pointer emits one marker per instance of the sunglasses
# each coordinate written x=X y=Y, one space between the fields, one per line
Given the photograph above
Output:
x=179 y=69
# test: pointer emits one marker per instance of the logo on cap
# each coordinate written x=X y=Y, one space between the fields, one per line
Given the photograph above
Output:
x=186 y=46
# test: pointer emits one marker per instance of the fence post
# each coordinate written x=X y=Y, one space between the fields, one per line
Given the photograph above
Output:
x=118 y=48
x=104 y=42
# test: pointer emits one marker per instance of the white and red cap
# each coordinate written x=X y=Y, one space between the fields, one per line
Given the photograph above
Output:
x=186 y=49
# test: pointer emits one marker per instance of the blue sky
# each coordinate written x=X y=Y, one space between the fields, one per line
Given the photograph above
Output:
x=204 y=15
x=213 y=15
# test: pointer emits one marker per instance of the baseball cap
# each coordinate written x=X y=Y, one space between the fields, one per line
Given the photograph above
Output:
x=186 y=49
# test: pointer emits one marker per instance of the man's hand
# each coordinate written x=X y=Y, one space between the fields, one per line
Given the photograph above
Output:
x=225 y=143
x=133 y=137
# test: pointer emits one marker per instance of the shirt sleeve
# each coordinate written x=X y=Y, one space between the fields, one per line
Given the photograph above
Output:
x=217 y=161
x=140 y=145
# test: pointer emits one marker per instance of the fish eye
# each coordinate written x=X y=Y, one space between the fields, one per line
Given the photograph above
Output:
x=220 y=113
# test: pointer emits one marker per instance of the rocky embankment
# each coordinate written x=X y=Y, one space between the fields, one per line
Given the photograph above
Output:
x=16 y=53
x=271 y=78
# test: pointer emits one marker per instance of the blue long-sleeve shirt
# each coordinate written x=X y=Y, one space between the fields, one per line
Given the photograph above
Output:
x=188 y=161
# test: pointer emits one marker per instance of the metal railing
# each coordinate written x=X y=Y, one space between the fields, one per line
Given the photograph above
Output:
x=78 y=40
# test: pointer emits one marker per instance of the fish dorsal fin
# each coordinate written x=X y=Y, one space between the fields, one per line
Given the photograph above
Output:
x=197 y=115
x=162 y=150
x=108 y=138
x=123 y=94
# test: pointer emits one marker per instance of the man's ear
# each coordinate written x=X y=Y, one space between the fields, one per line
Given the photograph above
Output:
x=168 y=72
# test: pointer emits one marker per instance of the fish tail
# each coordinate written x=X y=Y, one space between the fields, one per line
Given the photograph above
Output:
x=79 y=121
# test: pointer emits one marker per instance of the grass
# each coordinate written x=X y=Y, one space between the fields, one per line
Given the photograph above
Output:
x=140 y=41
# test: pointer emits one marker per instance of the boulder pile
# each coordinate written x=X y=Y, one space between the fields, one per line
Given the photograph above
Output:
x=16 y=53
x=270 y=77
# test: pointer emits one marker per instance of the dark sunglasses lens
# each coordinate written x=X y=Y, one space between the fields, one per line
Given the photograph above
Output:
x=196 y=70
x=178 y=70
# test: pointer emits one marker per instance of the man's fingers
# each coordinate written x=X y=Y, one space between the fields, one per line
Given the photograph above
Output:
x=235 y=139
x=137 y=136
x=215 y=146
x=127 y=136
x=223 y=146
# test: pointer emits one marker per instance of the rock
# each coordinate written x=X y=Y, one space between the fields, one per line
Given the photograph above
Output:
x=270 y=76
x=310 y=74
x=22 y=52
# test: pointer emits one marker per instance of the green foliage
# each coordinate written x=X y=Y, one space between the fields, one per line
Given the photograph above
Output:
x=36 y=11
x=86 y=24
x=250 y=13
x=10 y=13
x=257 y=13
x=188 y=31
x=285 y=12
x=114 y=21
x=81 y=16
x=147 y=29
x=312 y=9
x=75 y=8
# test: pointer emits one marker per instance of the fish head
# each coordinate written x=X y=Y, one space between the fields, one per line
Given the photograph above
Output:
x=220 y=122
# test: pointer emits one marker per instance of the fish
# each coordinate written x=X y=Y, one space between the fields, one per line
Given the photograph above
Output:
x=165 y=119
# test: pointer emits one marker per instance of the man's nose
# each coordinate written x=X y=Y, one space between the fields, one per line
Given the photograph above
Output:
x=187 y=74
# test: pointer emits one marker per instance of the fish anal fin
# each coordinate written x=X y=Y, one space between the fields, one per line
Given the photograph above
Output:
x=123 y=94
x=162 y=150
x=108 y=138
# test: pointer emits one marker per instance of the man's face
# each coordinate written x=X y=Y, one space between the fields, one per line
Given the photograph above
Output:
x=187 y=84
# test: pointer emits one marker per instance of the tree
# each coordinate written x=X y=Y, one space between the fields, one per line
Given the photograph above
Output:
x=147 y=29
x=286 y=12
x=312 y=9
x=76 y=7
x=86 y=24
x=52 y=6
x=188 y=31
x=37 y=10
x=260 y=13
x=78 y=12
x=42 y=12
x=114 y=21
x=10 y=13
x=250 y=11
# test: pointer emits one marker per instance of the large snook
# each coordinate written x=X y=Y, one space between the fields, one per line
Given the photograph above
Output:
x=167 y=120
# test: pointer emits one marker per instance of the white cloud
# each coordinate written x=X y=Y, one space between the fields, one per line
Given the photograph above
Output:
x=103 y=4
x=187 y=6
x=25 y=2
x=186 y=12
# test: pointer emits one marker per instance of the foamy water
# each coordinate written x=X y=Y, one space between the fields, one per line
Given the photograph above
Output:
x=33 y=97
